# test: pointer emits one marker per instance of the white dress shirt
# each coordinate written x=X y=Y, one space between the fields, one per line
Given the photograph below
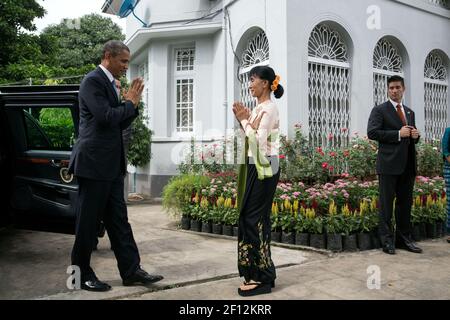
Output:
x=395 y=104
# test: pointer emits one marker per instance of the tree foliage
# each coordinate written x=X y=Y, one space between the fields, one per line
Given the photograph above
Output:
x=16 y=21
x=80 y=42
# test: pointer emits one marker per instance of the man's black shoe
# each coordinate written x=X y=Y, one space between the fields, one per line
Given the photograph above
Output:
x=95 y=285
x=141 y=277
x=389 y=248
x=410 y=246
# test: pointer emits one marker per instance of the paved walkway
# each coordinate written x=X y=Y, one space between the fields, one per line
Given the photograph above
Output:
x=197 y=266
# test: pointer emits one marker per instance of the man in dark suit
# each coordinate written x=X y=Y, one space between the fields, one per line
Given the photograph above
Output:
x=393 y=125
x=98 y=162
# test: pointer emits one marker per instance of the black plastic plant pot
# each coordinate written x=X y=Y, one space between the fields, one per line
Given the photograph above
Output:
x=423 y=230
x=375 y=239
x=317 y=241
x=439 y=229
x=416 y=233
x=227 y=230
x=349 y=243
x=276 y=236
x=207 y=227
x=302 y=239
x=334 y=242
x=235 y=231
x=431 y=230
x=185 y=222
x=196 y=225
x=364 y=241
x=217 y=228
x=288 y=237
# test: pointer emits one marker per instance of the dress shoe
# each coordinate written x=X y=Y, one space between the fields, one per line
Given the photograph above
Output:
x=410 y=246
x=95 y=285
x=141 y=277
x=389 y=248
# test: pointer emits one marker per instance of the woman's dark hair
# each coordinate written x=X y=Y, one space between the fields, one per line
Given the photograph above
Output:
x=267 y=73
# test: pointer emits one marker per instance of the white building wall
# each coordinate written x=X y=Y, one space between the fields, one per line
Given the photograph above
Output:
x=288 y=25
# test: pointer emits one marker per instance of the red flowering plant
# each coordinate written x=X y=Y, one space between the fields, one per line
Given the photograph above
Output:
x=204 y=158
x=361 y=157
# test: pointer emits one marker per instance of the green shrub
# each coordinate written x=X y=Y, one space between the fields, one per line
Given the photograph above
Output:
x=180 y=191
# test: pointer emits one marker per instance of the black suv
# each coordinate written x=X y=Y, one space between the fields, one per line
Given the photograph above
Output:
x=38 y=127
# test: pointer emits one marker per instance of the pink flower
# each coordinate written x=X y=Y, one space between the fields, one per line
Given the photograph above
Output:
x=282 y=156
x=330 y=136
x=344 y=129
x=332 y=154
x=324 y=165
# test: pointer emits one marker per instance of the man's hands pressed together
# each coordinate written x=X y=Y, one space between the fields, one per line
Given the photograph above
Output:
x=134 y=93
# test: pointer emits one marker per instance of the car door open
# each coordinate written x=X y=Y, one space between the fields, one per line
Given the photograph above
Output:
x=43 y=127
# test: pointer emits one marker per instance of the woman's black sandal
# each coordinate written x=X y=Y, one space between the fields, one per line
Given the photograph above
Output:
x=261 y=288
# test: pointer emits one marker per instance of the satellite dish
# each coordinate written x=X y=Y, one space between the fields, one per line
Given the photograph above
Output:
x=122 y=8
x=127 y=7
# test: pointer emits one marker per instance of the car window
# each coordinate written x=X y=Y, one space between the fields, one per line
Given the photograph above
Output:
x=49 y=128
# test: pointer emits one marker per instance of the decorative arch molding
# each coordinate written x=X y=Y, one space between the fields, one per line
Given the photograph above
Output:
x=436 y=66
x=329 y=85
x=389 y=58
x=436 y=73
x=253 y=50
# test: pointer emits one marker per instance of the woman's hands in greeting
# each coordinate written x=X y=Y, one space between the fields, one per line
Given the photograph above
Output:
x=243 y=113
x=240 y=111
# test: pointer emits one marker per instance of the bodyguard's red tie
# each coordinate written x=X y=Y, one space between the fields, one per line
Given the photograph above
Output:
x=401 y=115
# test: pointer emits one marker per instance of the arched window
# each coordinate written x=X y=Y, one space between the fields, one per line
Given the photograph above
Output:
x=256 y=53
x=441 y=3
x=328 y=88
x=386 y=63
x=436 y=96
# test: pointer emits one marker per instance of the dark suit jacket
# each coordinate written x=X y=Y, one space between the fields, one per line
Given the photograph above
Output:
x=98 y=152
x=384 y=125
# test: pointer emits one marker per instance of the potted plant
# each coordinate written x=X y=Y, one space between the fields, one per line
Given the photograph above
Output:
x=205 y=218
x=314 y=225
x=430 y=217
x=195 y=218
x=349 y=240
x=186 y=216
x=216 y=218
x=416 y=219
x=334 y=228
x=365 y=225
x=286 y=222
x=300 y=227
x=228 y=220
x=276 y=223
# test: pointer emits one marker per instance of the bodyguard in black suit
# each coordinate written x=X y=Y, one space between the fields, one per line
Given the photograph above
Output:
x=393 y=125
x=98 y=162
